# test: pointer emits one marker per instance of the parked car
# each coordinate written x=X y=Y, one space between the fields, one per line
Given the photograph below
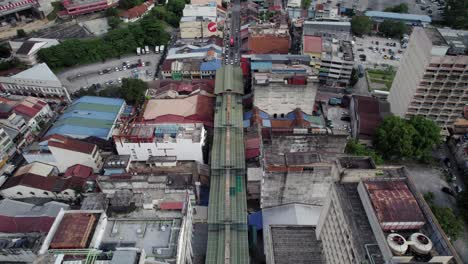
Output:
x=448 y=191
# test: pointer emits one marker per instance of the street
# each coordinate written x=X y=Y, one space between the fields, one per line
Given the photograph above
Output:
x=85 y=76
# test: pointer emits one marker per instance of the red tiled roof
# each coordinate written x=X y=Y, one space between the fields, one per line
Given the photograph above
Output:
x=171 y=205
x=136 y=11
x=25 y=110
x=69 y=143
x=265 y=44
x=80 y=171
x=49 y=183
x=312 y=44
x=10 y=224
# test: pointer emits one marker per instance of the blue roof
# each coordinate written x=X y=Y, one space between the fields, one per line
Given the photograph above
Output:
x=398 y=16
x=246 y=123
x=88 y=116
x=255 y=65
x=211 y=65
x=99 y=100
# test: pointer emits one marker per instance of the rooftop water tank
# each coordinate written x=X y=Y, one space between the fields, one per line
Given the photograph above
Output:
x=397 y=244
x=420 y=243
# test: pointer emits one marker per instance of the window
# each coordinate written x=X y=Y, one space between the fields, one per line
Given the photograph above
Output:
x=46 y=193
x=32 y=193
x=66 y=193
x=19 y=193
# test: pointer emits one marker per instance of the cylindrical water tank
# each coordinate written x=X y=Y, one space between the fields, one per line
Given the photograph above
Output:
x=397 y=244
x=420 y=243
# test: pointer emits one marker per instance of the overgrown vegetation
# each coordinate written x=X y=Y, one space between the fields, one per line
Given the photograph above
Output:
x=393 y=29
x=131 y=90
x=14 y=63
x=397 y=138
x=382 y=76
x=361 y=25
x=4 y=51
x=448 y=220
x=20 y=33
x=355 y=148
x=456 y=14
x=57 y=7
x=401 y=8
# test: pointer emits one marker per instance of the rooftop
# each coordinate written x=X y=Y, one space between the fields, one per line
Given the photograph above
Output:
x=137 y=11
x=80 y=171
x=89 y=116
x=296 y=244
x=312 y=44
x=74 y=231
x=38 y=168
x=399 y=16
x=116 y=161
x=196 y=108
x=171 y=132
x=394 y=204
x=38 y=72
x=68 y=143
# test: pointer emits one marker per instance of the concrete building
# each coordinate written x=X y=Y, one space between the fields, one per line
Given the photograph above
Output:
x=278 y=96
x=80 y=7
x=366 y=114
x=210 y=51
x=38 y=81
x=17 y=129
x=289 y=234
x=26 y=51
x=208 y=10
x=431 y=80
x=11 y=9
x=135 y=13
x=192 y=27
x=7 y=147
x=312 y=46
x=64 y=152
x=152 y=141
x=269 y=39
x=409 y=19
x=327 y=29
x=190 y=68
x=171 y=89
x=34 y=111
x=368 y=208
x=336 y=63
x=89 y=116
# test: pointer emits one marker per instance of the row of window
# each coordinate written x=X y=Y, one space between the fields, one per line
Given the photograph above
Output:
x=45 y=193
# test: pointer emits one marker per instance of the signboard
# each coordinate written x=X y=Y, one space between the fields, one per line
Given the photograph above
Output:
x=212 y=26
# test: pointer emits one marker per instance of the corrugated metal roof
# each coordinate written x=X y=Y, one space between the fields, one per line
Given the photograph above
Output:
x=398 y=16
x=211 y=65
x=38 y=72
x=260 y=65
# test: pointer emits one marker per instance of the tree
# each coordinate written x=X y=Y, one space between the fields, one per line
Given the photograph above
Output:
x=426 y=137
x=113 y=22
x=176 y=6
x=127 y=4
x=462 y=202
x=354 y=77
x=355 y=148
x=394 y=138
x=4 y=51
x=394 y=29
x=361 y=25
x=451 y=223
x=20 y=33
x=112 y=12
x=133 y=90
x=305 y=4
x=401 y=8
x=455 y=14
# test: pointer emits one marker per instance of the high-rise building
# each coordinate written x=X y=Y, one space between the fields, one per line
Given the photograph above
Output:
x=432 y=79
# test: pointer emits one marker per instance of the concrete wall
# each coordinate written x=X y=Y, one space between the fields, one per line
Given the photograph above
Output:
x=410 y=72
x=28 y=192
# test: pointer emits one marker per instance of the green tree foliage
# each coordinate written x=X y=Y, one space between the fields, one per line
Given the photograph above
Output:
x=427 y=136
x=397 y=138
x=112 y=12
x=456 y=14
x=14 y=63
x=462 y=201
x=361 y=25
x=448 y=220
x=401 y=8
x=115 y=43
x=161 y=12
x=305 y=4
x=354 y=77
x=127 y=4
x=4 y=51
x=113 y=22
x=393 y=29
x=176 y=6
x=394 y=137
x=354 y=148
x=20 y=33
x=132 y=91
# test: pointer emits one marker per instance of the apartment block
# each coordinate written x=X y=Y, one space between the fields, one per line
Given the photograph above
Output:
x=432 y=79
